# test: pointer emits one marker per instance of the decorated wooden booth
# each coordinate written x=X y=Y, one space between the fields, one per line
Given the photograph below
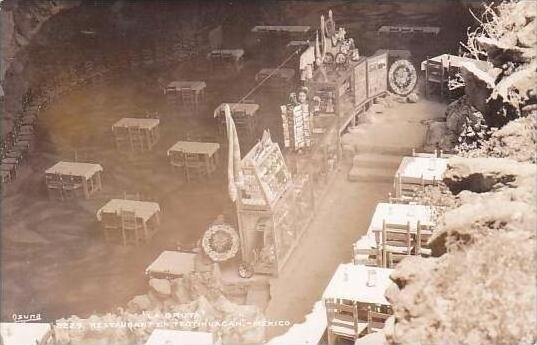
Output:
x=339 y=80
x=269 y=219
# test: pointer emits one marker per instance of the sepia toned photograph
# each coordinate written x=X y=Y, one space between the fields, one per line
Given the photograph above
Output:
x=338 y=172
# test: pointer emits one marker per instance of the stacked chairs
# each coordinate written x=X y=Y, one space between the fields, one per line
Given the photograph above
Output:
x=17 y=143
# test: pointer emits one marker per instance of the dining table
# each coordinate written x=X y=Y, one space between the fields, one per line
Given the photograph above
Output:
x=359 y=284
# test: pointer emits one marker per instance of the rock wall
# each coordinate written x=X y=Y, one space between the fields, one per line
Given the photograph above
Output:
x=479 y=286
x=20 y=22
x=507 y=38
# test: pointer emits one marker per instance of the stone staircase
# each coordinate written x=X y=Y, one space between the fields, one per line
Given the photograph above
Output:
x=374 y=167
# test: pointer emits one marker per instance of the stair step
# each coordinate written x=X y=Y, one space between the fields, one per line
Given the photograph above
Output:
x=359 y=174
x=372 y=160
x=385 y=149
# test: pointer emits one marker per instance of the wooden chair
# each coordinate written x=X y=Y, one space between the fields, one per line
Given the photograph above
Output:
x=435 y=154
x=111 y=225
x=54 y=186
x=408 y=190
x=195 y=167
x=435 y=73
x=188 y=97
x=343 y=321
x=122 y=139
x=172 y=97
x=130 y=228
x=13 y=156
x=137 y=139
x=376 y=320
x=423 y=235
x=245 y=124
x=6 y=177
x=178 y=160
x=132 y=196
x=71 y=186
x=396 y=243
x=22 y=145
x=369 y=257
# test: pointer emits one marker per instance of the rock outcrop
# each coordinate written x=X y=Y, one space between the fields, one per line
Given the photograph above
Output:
x=195 y=302
x=485 y=174
x=482 y=256
x=517 y=141
x=509 y=42
x=482 y=295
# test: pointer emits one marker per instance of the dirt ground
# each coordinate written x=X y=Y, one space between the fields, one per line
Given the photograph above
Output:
x=54 y=259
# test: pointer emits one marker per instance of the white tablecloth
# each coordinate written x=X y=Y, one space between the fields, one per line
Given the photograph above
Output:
x=172 y=262
x=193 y=85
x=249 y=108
x=194 y=147
x=142 y=209
x=349 y=283
x=24 y=333
x=455 y=61
x=400 y=214
x=288 y=28
x=413 y=168
x=144 y=123
x=367 y=241
x=171 y=337
x=236 y=53
x=86 y=170
x=410 y=29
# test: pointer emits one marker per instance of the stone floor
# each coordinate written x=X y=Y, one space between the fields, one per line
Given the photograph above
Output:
x=344 y=215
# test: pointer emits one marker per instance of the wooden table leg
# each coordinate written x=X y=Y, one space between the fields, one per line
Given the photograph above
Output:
x=124 y=236
x=207 y=165
x=85 y=188
x=146 y=235
x=99 y=181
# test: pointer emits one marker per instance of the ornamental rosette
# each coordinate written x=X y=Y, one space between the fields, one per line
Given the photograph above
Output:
x=220 y=242
x=402 y=77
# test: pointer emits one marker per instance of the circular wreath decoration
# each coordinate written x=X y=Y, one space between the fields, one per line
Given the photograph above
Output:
x=220 y=242
x=341 y=60
x=246 y=270
x=329 y=59
x=402 y=77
